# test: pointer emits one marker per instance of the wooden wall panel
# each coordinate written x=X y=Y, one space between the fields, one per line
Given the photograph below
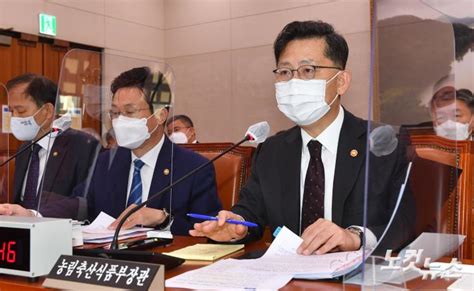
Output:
x=52 y=59
x=30 y=54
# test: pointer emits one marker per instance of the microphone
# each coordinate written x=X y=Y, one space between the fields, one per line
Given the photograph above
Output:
x=383 y=140
x=56 y=130
x=256 y=133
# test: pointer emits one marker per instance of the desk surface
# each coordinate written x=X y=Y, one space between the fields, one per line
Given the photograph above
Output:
x=20 y=283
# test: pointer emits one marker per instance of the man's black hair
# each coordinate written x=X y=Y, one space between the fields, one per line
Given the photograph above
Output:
x=463 y=39
x=142 y=78
x=336 y=46
x=40 y=89
x=466 y=96
x=184 y=118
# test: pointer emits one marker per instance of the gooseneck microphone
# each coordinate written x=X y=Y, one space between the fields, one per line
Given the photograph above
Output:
x=53 y=130
x=256 y=133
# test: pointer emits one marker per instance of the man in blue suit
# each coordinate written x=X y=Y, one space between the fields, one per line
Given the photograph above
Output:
x=146 y=162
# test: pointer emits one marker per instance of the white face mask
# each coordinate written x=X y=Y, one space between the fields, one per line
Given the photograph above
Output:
x=178 y=137
x=453 y=130
x=25 y=128
x=303 y=101
x=131 y=132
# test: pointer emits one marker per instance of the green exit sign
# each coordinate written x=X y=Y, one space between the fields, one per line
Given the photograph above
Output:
x=47 y=24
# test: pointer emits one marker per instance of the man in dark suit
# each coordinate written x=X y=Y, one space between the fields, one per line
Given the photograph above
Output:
x=311 y=177
x=32 y=103
x=146 y=162
x=181 y=129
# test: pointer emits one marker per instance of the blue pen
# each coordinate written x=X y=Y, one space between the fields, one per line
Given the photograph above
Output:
x=231 y=221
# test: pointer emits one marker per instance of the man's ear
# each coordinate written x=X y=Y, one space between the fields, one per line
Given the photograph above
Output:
x=161 y=115
x=49 y=110
x=343 y=81
x=192 y=132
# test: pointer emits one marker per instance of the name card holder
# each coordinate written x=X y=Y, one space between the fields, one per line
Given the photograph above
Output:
x=88 y=273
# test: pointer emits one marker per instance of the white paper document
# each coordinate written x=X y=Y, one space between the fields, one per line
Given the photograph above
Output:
x=465 y=283
x=160 y=234
x=229 y=274
x=97 y=231
x=281 y=256
x=273 y=270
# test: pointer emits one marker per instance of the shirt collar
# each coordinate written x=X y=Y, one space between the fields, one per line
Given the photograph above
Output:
x=45 y=141
x=329 y=137
x=151 y=156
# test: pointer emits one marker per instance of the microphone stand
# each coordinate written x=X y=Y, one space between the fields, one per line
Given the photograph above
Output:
x=114 y=244
x=27 y=147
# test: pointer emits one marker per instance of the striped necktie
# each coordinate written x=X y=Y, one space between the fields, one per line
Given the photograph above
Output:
x=135 y=196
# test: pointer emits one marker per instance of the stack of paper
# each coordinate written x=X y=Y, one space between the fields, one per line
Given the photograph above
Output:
x=205 y=252
x=77 y=233
x=98 y=232
x=276 y=268
x=282 y=256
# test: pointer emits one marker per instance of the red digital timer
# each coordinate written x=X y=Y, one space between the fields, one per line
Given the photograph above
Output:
x=30 y=246
x=8 y=252
x=14 y=249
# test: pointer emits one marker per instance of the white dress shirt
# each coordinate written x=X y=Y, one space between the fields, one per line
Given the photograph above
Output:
x=149 y=159
x=44 y=143
x=329 y=139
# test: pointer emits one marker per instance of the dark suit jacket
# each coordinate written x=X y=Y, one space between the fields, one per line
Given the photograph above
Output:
x=68 y=165
x=272 y=194
x=108 y=189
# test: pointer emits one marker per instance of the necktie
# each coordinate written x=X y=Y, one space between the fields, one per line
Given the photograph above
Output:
x=135 y=196
x=313 y=197
x=30 y=199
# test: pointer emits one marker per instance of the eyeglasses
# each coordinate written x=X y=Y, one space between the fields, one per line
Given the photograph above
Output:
x=305 y=72
x=130 y=112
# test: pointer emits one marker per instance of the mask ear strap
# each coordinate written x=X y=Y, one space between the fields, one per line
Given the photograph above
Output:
x=157 y=111
x=154 y=129
x=153 y=114
x=332 y=78
x=37 y=111
x=41 y=125
x=333 y=100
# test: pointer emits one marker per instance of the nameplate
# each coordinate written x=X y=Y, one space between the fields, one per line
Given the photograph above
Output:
x=77 y=272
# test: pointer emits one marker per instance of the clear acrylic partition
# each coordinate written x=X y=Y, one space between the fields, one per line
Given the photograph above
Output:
x=418 y=196
x=90 y=151
x=4 y=144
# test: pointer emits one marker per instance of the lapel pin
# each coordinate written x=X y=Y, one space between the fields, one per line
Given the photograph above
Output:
x=55 y=154
x=354 y=153
x=166 y=172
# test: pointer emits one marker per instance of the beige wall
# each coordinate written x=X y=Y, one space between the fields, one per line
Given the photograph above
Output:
x=124 y=26
x=220 y=50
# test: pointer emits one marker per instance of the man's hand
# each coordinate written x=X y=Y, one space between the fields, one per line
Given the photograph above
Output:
x=145 y=216
x=14 y=210
x=220 y=230
x=324 y=236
